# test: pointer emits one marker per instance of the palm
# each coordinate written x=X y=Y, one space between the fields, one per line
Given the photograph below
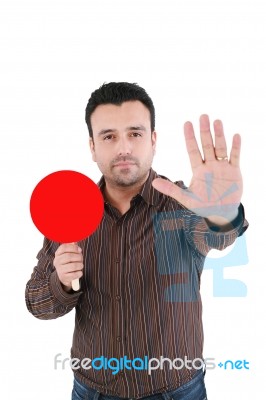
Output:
x=216 y=186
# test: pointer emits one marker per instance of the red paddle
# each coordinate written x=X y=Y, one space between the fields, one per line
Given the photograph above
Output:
x=66 y=206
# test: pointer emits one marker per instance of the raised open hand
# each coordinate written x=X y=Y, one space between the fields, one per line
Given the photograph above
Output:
x=216 y=186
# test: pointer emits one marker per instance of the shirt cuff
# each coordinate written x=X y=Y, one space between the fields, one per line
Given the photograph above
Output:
x=236 y=223
x=65 y=298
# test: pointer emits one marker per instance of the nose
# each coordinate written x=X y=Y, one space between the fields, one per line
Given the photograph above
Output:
x=124 y=146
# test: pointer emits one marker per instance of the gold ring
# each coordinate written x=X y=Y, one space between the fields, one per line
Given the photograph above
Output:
x=222 y=158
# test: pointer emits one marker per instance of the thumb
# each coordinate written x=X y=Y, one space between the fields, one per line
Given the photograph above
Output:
x=168 y=188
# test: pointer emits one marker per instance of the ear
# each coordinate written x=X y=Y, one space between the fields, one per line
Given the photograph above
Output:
x=153 y=140
x=92 y=149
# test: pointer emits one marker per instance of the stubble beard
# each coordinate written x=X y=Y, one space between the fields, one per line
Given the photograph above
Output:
x=127 y=178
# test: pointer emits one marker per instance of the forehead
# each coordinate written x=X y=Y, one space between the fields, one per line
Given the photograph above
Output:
x=115 y=116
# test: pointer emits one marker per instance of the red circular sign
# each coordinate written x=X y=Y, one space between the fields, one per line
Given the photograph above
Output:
x=66 y=206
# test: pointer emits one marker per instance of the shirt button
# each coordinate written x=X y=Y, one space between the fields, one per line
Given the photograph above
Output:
x=118 y=297
x=118 y=338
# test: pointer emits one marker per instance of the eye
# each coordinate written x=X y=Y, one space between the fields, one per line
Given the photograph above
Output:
x=108 y=137
x=136 y=134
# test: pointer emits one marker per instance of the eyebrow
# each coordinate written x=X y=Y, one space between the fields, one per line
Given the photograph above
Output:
x=129 y=128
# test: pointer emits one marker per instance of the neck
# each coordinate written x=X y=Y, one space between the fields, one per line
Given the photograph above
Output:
x=120 y=196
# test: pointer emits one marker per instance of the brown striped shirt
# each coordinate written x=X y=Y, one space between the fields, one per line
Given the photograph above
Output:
x=139 y=292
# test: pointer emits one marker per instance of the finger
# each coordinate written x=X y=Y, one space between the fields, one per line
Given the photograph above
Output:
x=235 y=151
x=68 y=248
x=72 y=276
x=75 y=275
x=73 y=267
x=206 y=138
x=192 y=146
x=67 y=258
x=220 y=143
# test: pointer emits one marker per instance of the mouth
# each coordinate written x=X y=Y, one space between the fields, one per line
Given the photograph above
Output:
x=124 y=164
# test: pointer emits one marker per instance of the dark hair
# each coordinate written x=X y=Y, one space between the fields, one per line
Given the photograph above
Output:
x=117 y=93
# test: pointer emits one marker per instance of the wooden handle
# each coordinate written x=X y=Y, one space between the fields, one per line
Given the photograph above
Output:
x=75 y=282
x=75 y=285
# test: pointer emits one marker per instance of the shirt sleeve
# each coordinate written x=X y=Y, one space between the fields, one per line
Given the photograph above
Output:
x=203 y=236
x=45 y=297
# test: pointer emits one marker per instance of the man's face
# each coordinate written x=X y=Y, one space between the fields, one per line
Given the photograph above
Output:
x=123 y=145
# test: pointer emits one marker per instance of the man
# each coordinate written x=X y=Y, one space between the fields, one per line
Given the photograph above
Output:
x=139 y=309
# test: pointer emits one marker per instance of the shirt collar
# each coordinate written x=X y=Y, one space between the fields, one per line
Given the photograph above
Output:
x=150 y=195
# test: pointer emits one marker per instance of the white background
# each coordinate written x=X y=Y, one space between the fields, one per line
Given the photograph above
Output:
x=192 y=57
